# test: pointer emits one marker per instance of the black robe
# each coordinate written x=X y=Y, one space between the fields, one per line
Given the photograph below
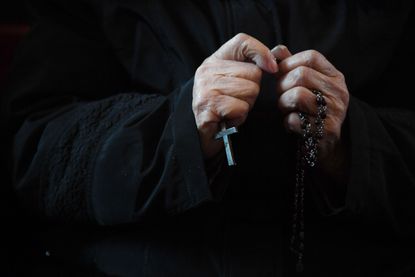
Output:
x=106 y=156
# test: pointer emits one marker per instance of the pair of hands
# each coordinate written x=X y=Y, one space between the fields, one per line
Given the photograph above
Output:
x=227 y=84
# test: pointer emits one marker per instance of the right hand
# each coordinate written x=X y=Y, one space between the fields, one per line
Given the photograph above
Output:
x=226 y=86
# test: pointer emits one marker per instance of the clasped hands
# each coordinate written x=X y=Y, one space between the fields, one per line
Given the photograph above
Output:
x=227 y=83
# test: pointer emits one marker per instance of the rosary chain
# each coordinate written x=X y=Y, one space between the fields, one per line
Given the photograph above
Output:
x=306 y=157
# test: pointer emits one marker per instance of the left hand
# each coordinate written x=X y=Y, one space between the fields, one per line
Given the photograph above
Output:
x=298 y=75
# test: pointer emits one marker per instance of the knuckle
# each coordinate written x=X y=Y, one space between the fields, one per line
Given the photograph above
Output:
x=208 y=59
x=343 y=110
x=282 y=47
x=296 y=92
x=314 y=53
x=296 y=97
x=343 y=105
x=344 y=96
x=206 y=70
x=342 y=92
x=210 y=62
x=241 y=37
x=311 y=56
x=243 y=42
x=242 y=50
x=202 y=69
x=205 y=119
x=290 y=121
x=300 y=73
x=202 y=122
x=200 y=101
x=244 y=110
x=200 y=83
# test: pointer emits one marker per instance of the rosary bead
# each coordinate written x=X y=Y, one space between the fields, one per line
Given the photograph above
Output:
x=307 y=153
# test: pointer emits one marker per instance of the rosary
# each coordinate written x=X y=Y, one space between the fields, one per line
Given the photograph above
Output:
x=306 y=157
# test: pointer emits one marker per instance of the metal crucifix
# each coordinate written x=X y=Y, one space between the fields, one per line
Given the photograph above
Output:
x=224 y=134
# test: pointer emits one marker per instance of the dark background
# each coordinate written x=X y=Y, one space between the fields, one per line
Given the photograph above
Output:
x=13 y=11
x=15 y=233
x=14 y=20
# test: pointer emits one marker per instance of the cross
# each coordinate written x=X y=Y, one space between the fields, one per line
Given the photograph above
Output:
x=224 y=134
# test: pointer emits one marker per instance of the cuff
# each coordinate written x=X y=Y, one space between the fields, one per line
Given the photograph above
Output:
x=200 y=176
x=359 y=156
x=332 y=201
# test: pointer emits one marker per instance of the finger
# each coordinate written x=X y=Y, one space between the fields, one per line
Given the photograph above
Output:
x=298 y=99
x=309 y=58
x=292 y=123
x=232 y=109
x=242 y=89
x=280 y=52
x=243 y=47
x=303 y=76
x=216 y=109
x=237 y=69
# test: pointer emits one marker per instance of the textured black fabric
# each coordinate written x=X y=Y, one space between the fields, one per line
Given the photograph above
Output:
x=107 y=160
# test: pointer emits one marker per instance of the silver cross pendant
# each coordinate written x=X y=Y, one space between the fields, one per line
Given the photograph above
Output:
x=224 y=134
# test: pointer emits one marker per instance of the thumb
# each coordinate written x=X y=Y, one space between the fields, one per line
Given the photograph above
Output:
x=281 y=52
x=243 y=47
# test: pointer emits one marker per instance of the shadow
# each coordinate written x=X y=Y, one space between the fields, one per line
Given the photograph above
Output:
x=14 y=236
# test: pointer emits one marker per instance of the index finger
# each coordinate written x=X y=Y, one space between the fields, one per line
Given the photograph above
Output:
x=309 y=58
x=243 y=47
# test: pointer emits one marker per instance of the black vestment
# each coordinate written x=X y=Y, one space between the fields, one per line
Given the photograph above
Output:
x=107 y=160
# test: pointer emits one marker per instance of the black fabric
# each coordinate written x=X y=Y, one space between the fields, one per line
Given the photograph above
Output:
x=107 y=161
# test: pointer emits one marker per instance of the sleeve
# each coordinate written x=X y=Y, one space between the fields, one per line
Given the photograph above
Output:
x=88 y=145
x=380 y=178
x=379 y=134
x=382 y=166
